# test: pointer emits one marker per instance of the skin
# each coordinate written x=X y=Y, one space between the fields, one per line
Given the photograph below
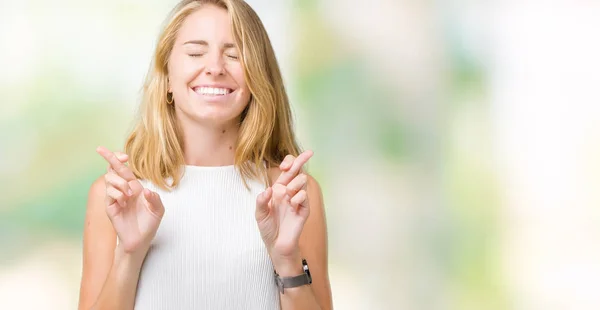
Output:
x=290 y=213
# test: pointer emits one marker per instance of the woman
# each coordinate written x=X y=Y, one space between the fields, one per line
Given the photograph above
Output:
x=208 y=208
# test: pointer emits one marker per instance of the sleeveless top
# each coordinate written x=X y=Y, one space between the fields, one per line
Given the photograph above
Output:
x=207 y=252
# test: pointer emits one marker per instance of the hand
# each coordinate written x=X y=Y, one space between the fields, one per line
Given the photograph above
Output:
x=135 y=212
x=282 y=209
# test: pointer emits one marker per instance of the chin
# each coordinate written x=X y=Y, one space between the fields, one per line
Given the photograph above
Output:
x=217 y=111
x=217 y=116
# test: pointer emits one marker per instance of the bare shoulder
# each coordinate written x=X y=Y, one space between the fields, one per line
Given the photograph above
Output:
x=99 y=241
x=97 y=189
x=95 y=208
x=315 y=194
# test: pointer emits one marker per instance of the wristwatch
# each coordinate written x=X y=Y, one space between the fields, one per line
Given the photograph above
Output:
x=289 y=282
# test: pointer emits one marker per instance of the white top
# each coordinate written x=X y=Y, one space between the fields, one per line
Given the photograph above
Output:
x=208 y=253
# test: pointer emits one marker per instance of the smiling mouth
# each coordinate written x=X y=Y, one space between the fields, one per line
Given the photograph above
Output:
x=212 y=91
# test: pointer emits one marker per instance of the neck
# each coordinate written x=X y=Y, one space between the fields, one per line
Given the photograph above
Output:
x=208 y=144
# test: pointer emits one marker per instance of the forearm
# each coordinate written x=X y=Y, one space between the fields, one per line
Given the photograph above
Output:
x=299 y=298
x=118 y=292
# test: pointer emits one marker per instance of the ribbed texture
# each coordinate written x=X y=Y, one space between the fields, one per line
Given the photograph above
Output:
x=207 y=253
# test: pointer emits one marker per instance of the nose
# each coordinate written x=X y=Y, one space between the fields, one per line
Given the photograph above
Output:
x=214 y=65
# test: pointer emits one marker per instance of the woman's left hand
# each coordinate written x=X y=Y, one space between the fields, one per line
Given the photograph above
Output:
x=282 y=210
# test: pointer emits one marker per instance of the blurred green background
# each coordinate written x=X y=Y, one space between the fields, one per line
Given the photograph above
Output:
x=457 y=143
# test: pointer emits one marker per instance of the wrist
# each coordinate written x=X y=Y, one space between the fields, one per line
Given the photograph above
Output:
x=293 y=283
x=128 y=260
x=288 y=265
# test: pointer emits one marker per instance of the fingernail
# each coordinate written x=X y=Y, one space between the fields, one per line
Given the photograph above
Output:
x=130 y=192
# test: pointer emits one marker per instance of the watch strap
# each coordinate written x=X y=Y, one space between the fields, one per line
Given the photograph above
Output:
x=299 y=280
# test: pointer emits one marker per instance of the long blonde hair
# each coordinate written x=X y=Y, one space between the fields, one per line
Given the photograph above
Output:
x=266 y=136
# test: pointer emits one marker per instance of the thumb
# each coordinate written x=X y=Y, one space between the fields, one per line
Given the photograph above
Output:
x=154 y=203
x=262 y=204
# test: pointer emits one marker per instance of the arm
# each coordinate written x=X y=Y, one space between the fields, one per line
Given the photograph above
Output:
x=109 y=276
x=120 y=286
x=313 y=246
x=312 y=241
x=99 y=241
x=118 y=205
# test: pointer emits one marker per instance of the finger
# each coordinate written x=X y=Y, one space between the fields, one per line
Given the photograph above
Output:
x=288 y=175
x=287 y=162
x=108 y=200
x=263 y=204
x=279 y=192
x=277 y=202
x=264 y=197
x=298 y=200
x=119 y=183
x=117 y=165
x=122 y=157
x=155 y=205
x=117 y=195
x=298 y=183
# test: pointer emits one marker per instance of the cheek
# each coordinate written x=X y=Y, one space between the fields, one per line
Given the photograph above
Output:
x=244 y=95
x=237 y=73
x=181 y=71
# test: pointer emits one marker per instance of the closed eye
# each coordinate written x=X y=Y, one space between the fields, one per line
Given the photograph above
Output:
x=196 y=55
x=232 y=57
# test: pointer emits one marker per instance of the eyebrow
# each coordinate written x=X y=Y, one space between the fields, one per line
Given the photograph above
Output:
x=204 y=43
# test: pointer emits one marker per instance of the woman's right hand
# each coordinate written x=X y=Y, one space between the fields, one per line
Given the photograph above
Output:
x=134 y=211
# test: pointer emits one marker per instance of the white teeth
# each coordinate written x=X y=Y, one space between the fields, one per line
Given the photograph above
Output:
x=211 y=91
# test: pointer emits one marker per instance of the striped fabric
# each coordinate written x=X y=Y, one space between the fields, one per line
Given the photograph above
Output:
x=207 y=253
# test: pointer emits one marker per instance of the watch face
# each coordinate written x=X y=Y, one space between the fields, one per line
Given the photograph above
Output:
x=306 y=270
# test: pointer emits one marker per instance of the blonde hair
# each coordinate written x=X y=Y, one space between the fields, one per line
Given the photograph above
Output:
x=266 y=136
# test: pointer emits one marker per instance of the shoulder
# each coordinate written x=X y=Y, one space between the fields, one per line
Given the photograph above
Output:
x=97 y=189
x=95 y=207
x=96 y=219
x=95 y=199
